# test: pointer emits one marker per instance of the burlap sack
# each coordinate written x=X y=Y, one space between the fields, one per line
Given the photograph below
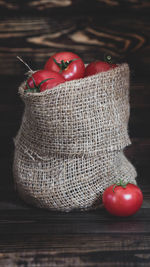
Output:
x=70 y=144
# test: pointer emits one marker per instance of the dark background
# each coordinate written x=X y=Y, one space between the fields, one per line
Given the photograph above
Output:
x=36 y=29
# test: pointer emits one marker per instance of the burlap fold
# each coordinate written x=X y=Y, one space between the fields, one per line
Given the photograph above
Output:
x=70 y=144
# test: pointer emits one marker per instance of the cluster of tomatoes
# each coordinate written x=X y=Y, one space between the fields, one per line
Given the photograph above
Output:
x=62 y=67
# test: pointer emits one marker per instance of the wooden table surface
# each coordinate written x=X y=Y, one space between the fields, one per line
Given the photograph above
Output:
x=35 y=30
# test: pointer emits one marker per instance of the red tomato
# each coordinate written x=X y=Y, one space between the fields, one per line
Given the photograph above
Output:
x=122 y=199
x=68 y=64
x=98 y=66
x=42 y=80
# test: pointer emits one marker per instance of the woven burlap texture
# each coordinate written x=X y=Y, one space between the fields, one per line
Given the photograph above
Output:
x=69 y=147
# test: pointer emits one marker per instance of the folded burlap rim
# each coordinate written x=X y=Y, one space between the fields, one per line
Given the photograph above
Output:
x=67 y=84
x=67 y=102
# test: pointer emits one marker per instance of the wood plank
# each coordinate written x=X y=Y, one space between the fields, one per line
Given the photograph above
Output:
x=34 y=221
x=34 y=5
x=79 y=243
x=89 y=36
x=75 y=250
x=46 y=5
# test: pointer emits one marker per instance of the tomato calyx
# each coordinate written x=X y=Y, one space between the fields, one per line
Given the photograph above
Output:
x=121 y=183
x=108 y=59
x=64 y=64
x=36 y=88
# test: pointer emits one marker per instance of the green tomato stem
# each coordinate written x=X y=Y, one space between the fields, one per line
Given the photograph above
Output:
x=64 y=64
x=121 y=183
x=36 y=88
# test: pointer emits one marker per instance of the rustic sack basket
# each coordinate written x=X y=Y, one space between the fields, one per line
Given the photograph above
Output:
x=70 y=144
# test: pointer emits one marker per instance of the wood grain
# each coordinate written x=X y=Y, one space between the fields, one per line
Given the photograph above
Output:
x=40 y=5
x=34 y=4
x=75 y=243
x=129 y=3
x=36 y=221
x=75 y=250
x=89 y=36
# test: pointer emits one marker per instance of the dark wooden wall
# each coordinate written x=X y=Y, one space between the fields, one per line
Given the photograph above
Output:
x=91 y=28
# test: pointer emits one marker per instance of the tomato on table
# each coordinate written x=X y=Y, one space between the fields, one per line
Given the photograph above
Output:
x=122 y=199
x=68 y=64
x=42 y=80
